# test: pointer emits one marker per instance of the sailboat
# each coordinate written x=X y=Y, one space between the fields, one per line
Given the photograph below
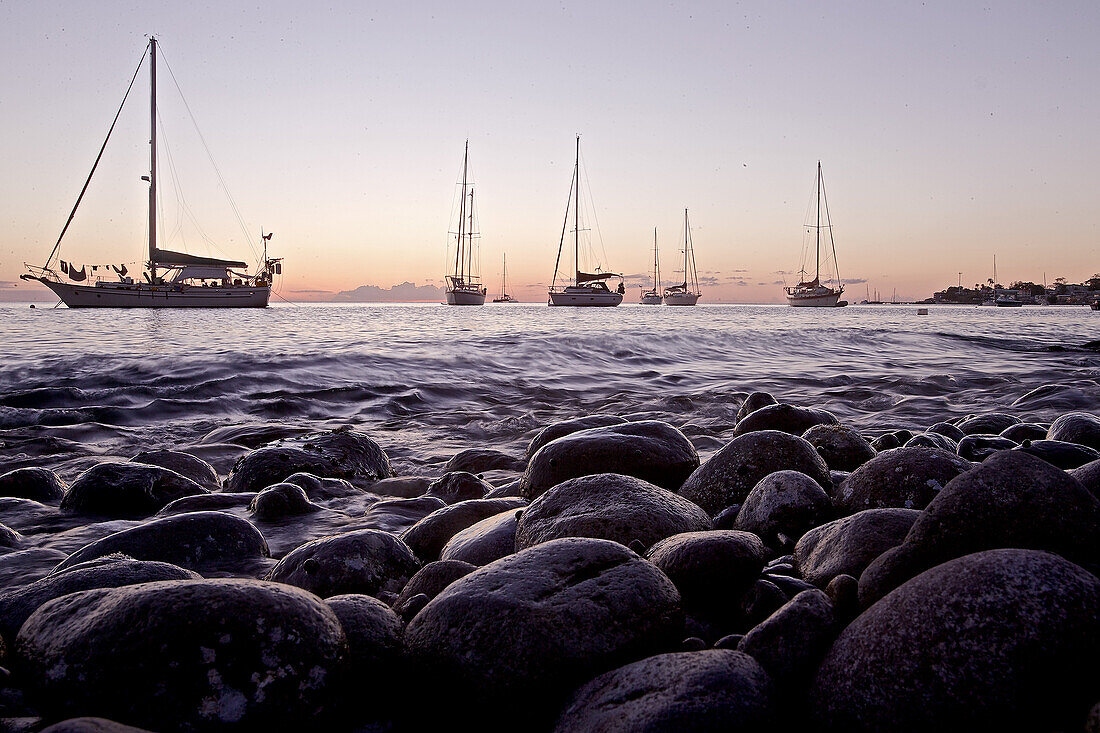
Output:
x=812 y=293
x=588 y=288
x=653 y=295
x=463 y=286
x=171 y=279
x=687 y=293
x=504 y=297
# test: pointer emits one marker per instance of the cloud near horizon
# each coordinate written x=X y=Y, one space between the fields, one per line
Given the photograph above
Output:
x=402 y=293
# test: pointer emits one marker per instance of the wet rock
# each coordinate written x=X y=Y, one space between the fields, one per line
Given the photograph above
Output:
x=323 y=489
x=790 y=585
x=608 y=506
x=787 y=418
x=1025 y=431
x=345 y=454
x=373 y=632
x=567 y=427
x=200 y=541
x=791 y=642
x=251 y=435
x=185 y=654
x=476 y=460
x=903 y=477
x=989 y=424
x=651 y=450
x=782 y=507
x=427 y=537
x=843 y=591
x=848 y=545
x=731 y=473
x=710 y=690
x=1060 y=453
x=429 y=581
x=1012 y=500
x=459 y=486
x=112 y=571
x=949 y=430
x=92 y=725
x=206 y=502
x=366 y=561
x=1089 y=476
x=754 y=402
x=729 y=641
x=9 y=538
x=1076 y=427
x=126 y=490
x=185 y=464
x=281 y=501
x=932 y=440
x=843 y=448
x=761 y=600
x=20 y=567
x=510 y=489
x=484 y=542
x=889 y=441
x=726 y=518
x=998 y=640
x=979 y=447
x=712 y=569
x=37 y=484
x=406 y=487
x=517 y=635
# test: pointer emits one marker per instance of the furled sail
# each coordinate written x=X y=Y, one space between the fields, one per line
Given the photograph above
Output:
x=584 y=277
x=165 y=257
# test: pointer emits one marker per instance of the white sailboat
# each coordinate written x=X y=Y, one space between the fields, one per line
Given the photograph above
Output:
x=171 y=279
x=588 y=288
x=653 y=295
x=464 y=285
x=812 y=293
x=687 y=293
x=504 y=296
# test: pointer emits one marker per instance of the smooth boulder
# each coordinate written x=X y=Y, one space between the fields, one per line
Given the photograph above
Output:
x=842 y=447
x=710 y=690
x=1076 y=427
x=978 y=447
x=846 y=546
x=997 y=640
x=126 y=490
x=185 y=654
x=36 y=484
x=782 y=507
x=731 y=473
x=486 y=541
x=565 y=427
x=428 y=537
x=341 y=453
x=458 y=486
x=989 y=424
x=366 y=561
x=514 y=637
x=787 y=418
x=907 y=478
x=185 y=464
x=1060 y=453
x=651 y=450
x=608 y=506
x=1012 y=500
x=281 y=501
x=791 y=642
x=711 y=569
x=200 y=541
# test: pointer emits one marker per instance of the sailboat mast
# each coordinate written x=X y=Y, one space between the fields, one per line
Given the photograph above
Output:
x=817 y=266
x=462 y=214
x=685 y=249
x=153 y=158
x=576 y=214
x=656 y=264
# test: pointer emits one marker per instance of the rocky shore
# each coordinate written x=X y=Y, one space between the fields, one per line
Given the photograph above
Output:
x=804 y=575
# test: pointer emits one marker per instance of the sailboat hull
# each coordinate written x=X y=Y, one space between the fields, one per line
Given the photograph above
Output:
x=650 y=299
x=142 y=295
x=465 y=297
x=830 y=300
x=681 y=298
x=590 y=299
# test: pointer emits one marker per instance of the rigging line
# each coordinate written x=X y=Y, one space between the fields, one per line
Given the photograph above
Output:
x=564 y=224
x=832 y=242
x=96 y=164
x=210 y=157
x=595 y=220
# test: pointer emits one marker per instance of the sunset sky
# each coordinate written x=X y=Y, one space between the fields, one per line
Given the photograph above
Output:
x=949 y=132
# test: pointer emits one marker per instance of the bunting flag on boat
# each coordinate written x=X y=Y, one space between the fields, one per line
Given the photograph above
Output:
x=64 y=267
x=121 y=271
x=77 y=275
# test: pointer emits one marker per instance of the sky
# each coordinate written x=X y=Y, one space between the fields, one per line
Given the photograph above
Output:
x=948 y=133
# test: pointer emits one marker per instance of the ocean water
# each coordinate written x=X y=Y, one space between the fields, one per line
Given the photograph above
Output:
x=427 y=380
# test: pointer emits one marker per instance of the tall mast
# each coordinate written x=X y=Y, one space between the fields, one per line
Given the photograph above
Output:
x=817 y=266
x=685 y=249
x=153 y=158
x=656 y=264
x=462 y=213
x=576 y=213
